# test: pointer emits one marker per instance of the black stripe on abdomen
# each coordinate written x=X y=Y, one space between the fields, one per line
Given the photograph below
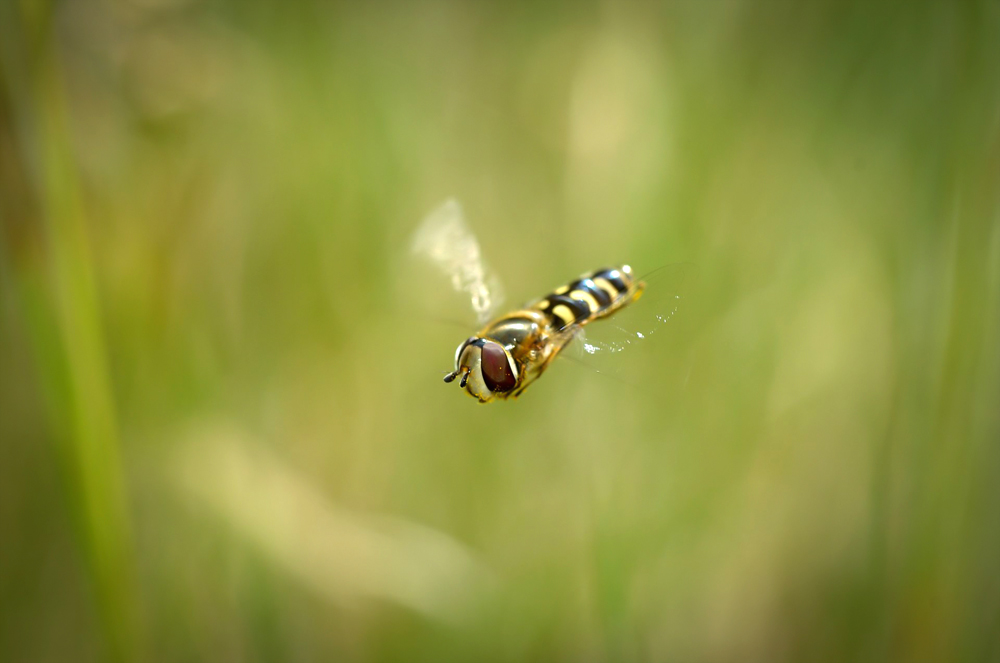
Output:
x=613 y=276
x=564 y=311
x=588 y=286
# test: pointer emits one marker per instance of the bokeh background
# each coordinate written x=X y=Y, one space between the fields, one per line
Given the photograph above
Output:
x=224 y=432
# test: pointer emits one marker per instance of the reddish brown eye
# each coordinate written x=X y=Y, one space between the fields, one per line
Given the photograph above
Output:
x=496 y=371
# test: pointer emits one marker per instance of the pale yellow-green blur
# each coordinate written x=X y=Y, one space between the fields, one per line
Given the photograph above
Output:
x=224 y=434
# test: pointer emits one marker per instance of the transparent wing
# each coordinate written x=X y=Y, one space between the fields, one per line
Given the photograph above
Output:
x=445 y=240
x=642 y=324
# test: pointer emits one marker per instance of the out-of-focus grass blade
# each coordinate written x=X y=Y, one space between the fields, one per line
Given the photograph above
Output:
x=59 y=299
x=342 y=555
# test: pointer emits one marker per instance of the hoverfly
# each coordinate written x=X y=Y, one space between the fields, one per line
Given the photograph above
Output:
x=512 y=350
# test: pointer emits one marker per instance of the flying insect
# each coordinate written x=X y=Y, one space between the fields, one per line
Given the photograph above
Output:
x=511 y=351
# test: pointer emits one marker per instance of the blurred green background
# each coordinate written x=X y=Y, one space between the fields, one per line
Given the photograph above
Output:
x=224 y=432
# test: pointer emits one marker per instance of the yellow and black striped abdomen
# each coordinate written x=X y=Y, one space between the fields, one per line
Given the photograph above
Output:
x=591 y=296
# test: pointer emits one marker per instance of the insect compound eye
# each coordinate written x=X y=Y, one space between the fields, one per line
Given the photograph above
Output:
x=496 y=370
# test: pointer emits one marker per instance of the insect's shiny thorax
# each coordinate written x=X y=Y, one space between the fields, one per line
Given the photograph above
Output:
x=518 y=332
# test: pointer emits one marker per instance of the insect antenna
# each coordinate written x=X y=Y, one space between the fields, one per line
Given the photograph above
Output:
x=465 y=378
x=450 y=376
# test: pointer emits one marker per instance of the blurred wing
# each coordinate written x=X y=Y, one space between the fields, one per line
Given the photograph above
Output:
x=445 y=240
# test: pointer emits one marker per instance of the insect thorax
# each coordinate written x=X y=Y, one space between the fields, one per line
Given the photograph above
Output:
x=521 y=332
